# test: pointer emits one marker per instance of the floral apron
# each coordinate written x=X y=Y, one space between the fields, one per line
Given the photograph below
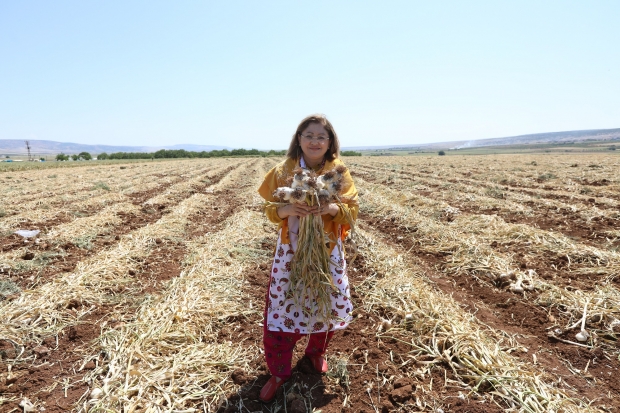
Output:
x=282 y=313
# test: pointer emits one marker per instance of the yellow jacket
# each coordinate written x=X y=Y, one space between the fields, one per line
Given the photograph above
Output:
x=276 y=178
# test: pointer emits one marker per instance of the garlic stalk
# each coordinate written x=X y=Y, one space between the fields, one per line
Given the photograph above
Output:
x=583 y=335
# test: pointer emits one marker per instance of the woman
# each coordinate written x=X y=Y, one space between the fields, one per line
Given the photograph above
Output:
x=314 y=146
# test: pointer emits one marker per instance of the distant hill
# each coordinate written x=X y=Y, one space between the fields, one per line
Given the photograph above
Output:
x=41 y=147
x=536 y=138
x=409 y=147
x=551 y=137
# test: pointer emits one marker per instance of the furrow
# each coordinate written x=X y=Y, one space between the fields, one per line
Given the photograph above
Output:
x=97 y=280
x=189 y=314
x=487 y=228
x=149 y=275
x=85 y=230
x=170 y=355
x=439 y=330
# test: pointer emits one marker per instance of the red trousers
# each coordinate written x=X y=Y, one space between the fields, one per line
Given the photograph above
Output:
x=279 y=348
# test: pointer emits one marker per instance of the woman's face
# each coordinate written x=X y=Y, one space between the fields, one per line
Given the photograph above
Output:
x=314 y=142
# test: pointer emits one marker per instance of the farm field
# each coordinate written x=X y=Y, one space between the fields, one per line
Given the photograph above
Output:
x=144 y=290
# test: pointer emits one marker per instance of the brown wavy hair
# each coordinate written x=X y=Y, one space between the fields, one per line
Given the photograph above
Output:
x=294 y=149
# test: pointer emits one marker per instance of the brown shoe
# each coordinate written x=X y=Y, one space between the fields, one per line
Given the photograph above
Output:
x=270 y=388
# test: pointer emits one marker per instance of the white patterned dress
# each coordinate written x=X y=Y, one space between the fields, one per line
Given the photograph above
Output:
x=283 y=314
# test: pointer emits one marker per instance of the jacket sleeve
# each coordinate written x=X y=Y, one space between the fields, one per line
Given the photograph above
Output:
x=344 y=209
x=270 y=184
x=349 y=200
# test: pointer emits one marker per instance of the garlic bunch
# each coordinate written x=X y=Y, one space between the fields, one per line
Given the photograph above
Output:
x=522 y=283
x=504 y=278
x=325 y=187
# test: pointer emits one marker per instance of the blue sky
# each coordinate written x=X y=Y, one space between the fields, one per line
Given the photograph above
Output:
x=244 y=73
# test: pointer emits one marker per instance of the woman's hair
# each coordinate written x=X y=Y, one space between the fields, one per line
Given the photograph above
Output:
x=294 y=149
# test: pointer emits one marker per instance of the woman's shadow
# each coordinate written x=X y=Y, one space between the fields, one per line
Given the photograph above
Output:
x=303 y=392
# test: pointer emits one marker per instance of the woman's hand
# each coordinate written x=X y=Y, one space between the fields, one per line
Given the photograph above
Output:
x=331 y=209
x=303 y=210
x=300 y=210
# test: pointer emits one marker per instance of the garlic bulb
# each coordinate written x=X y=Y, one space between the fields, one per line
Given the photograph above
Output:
x=324 y=196
x=284 y=193
x=334 y=187
x=96 y=393
x=328 y=177
x=298 y=195
x=386 y=324
x=298 y=178
x=516 y=287
x=27 y=406
x=582 y=336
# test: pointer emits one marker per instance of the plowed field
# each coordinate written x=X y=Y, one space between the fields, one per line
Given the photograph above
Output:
x=482 y=283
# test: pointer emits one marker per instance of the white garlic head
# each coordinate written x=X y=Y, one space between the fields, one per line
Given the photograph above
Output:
x=582 y=336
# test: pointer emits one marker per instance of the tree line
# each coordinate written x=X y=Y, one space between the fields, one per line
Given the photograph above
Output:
x=85 y=156
x=181 y=153
x=171 y=154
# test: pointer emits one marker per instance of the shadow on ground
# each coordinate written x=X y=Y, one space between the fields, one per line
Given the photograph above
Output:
x=303 y=392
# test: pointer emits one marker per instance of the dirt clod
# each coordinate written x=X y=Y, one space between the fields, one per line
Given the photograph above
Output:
x=298 y=406
x=238 y=377
x=305 y=366
x=73 y=333
x=7 y=350
x=28 y=256
x=11 y=380
x=386 y=406
x=402 y=394
x=402 y=382
x=41 y=351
